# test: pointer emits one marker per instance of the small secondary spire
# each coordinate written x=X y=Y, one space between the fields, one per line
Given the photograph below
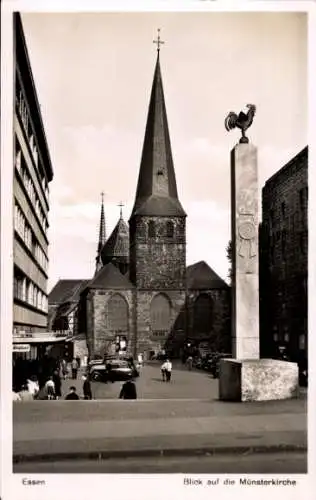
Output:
x=102 y=235
x=121 y=205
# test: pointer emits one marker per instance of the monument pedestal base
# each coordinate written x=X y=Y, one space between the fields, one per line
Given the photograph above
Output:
x=257 y=380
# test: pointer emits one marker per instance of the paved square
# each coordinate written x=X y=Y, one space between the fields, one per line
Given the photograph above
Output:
x=183 y=385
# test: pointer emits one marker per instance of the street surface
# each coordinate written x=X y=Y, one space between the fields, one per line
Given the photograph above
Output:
x=184 y=384
x=263 y=463
x=180 y=419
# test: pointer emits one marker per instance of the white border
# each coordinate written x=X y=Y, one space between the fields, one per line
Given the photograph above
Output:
x=169 y=486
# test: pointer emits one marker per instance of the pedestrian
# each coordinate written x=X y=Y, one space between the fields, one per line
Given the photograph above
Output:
x=50 y=388
x=64 y=368
x=87 y=392
x=33 y=386
x=168 y=369
x=74 y=368
x=163 y=371
x=72 y=394
x=57 y=382
x=25 y=394
x=128 y=390
x=190 y=363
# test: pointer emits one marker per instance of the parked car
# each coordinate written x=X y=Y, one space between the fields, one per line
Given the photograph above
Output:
x=213 y=361
x=112 y=371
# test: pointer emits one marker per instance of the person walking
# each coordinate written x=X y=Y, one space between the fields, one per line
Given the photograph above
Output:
x=74 y=368
x=64 y=368
x=57 y=382
x=25 y=394
x=190 y=363
x=168 y=369
x=163 y=371
x=87 y=392
x=50 y=388
x=72 y=395
x=33 y=386
x=128 y=390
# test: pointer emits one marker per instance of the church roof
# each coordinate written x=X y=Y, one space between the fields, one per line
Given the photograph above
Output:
x=157 y=189
x=117 y=246
x=200 y=276
x=66 y=291
x=109 y=277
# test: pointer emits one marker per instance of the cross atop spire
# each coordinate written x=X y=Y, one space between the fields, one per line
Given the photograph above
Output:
x=158 y=41
x=121 y=205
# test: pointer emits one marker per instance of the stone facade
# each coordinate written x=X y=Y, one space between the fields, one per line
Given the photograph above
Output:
x=112 y=315
x=283 y=264
x=283 y=260
x=257 y=380
x=158 y=252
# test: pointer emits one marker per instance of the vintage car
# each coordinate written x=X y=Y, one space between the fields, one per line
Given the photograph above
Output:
x=113 y=370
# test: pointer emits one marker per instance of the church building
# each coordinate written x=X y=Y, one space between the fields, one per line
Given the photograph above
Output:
x=142 y=294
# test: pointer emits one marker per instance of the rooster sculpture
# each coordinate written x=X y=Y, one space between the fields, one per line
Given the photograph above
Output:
x=242 y=121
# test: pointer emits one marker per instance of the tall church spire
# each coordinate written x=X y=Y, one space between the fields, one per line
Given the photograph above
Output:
x=157 y=189
x=102 y=236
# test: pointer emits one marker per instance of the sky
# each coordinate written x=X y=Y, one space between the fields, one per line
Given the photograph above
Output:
x=93 y=74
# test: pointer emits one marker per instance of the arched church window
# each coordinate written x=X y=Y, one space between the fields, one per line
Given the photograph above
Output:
x=151 y=229
x=160 y=313
x=170 y=229
x=203 y=314
x=117 y=313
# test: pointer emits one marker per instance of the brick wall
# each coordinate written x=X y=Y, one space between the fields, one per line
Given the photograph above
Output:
x=158 y=261
x=283 y=258
x=146 y=339
x=103 y=334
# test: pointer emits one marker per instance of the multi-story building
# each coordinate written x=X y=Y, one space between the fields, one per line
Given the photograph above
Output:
x=32 y=172
x=284 y=264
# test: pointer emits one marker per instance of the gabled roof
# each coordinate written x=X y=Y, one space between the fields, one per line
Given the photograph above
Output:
x=66 y=291
x=157 y=188
x=117 y=246
x=200 y=276
x=109 y=277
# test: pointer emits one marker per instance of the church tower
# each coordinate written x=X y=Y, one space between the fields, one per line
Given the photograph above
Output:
x=157 y=228
x=157 y=223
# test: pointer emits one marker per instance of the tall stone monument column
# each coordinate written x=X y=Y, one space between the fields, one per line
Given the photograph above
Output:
x=245 y=279
x=246 y=377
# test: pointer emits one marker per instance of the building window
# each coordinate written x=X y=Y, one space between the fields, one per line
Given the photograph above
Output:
x=203 y=314
x=160 y=313
x=18 y=161
x=303 y=198
x=302 y=342
x=283 y=243
x=170 y=229
x=275 y=337
x=272 y=254
x=117 y=313
x=272 y=218
x=151 y=229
